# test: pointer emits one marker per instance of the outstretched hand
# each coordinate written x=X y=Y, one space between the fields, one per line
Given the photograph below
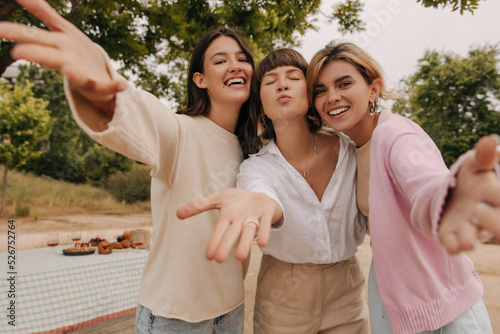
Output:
x=66 y=49
x=239 y=209
x=473 y=207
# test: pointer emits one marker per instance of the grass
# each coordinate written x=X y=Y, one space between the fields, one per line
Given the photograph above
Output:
x=47 y=197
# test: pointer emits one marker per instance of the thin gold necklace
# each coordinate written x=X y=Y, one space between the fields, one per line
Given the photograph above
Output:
x=315 y=159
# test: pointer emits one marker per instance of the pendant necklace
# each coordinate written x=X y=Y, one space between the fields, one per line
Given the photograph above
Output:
x=307 y=171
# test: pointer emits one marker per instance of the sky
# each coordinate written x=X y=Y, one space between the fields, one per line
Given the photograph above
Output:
x=400 y=31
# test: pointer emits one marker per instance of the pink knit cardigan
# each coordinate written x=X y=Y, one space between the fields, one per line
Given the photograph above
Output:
x=421 y=286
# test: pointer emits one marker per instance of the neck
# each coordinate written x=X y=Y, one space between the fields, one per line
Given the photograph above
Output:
x=362 y=132
x=225 y=116
x=294 y=140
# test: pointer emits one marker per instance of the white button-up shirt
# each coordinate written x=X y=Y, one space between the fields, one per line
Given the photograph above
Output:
x=313 y=231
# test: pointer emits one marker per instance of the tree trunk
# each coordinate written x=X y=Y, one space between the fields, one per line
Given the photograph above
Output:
x=4 y=186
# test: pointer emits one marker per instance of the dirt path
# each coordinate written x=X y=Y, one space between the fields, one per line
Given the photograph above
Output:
x=32 y=234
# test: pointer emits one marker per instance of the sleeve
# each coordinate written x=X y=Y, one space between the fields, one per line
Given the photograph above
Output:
x=142 y=128
x=252 y=177
x=419 y=172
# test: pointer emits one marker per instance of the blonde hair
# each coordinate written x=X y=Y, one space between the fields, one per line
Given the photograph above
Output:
x=364 y=63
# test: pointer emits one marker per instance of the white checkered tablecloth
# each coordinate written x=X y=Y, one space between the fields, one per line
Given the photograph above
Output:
x=53 y=290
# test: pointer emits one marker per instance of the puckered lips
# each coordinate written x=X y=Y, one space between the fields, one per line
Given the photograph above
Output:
x=284 y=98
x=338 y=111
x=235 y=82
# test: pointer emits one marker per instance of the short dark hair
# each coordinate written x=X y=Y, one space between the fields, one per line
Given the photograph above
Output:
x=258 y=120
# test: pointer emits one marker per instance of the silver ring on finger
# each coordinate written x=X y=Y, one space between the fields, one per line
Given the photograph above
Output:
x=255 y=222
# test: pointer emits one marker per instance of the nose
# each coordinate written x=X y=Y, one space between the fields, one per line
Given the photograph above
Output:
x=283 y=85
x=333 y=96
x=235 y=67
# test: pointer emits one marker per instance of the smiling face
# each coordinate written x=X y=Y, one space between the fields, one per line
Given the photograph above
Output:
x=342 y=97
x=227 y=73
x=283 y=94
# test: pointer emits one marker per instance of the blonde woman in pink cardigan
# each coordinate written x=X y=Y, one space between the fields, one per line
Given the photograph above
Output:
x=415 y=285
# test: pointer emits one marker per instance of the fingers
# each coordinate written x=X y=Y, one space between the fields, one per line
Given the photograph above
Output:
x=486 y=152
x=196 y=207
x=215 y=240
x=487 y=218
x=450 y=243
x=80 y=79
x=45 y=56
x=265 y=229
x=246 y=241
x=45 y=13
x=227 y=242
x=20 y=33
x=464 y=236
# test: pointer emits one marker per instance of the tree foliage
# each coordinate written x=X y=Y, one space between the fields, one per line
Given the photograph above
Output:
x=462 y=5
x=347 y=12
x=347 y=15
x=152 y=40
x=455 y=99
x=24 y=122
x=68 y=153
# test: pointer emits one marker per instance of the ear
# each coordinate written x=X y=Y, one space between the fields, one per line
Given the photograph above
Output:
x=375 y=89
x=199 y=80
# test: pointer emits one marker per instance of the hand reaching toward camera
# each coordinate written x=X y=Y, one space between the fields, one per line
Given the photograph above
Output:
x=66 y=49
x=242 y=215
x=473 y=207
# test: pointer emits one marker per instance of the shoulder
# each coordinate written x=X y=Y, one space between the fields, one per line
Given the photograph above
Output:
x=336 y=136
x=345 y=143
x=397 y=136
x=389 y=120
x=391 y=127
x=265 y=155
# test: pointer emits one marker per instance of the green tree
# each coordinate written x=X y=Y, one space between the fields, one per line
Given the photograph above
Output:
x=455 y=99
x=346 y=13
x=151 y=40
x=100 y=162
x=66 y=152
x=462 y=5
x=24 y=122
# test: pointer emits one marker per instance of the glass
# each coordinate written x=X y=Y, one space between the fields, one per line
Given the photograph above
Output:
x=76 y=236
x=52 y=241
x=138 y=240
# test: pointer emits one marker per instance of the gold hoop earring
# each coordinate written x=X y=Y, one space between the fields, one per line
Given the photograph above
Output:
x=373 y=107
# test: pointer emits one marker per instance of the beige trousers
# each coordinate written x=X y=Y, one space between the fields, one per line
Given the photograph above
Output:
x=310 y=298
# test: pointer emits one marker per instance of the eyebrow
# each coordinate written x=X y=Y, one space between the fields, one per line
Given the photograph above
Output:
x=225 y=54
x=274 y=74
x=347 y=76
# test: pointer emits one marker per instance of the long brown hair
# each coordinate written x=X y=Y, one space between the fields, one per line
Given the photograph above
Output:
x=258 y=120
x=198 y=100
